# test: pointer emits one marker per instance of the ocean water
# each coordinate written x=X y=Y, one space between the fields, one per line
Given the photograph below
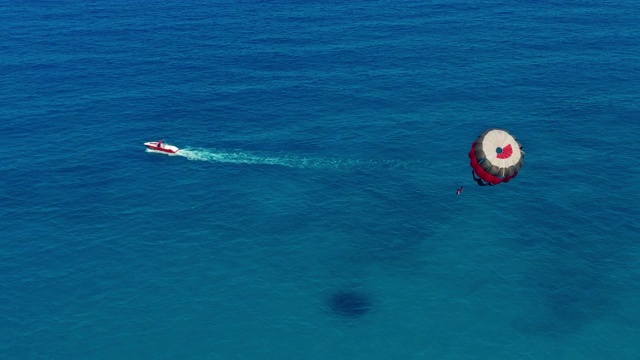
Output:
x=323 y=144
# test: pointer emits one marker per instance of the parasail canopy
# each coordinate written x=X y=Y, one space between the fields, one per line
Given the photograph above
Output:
x=496 y=157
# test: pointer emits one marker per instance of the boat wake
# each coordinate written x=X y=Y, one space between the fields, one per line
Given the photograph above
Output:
x=293 y=161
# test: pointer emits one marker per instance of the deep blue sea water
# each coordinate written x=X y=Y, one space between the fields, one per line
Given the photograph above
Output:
x=323 y=144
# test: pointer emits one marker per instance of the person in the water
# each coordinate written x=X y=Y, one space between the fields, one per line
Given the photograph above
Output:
x=460 y=190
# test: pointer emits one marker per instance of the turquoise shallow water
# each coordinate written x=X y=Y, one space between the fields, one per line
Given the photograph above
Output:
x=324 y=142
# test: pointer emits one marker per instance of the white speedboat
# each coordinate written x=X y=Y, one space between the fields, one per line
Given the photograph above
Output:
x=162 y=147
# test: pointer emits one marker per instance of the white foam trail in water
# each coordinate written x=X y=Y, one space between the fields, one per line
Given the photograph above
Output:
x=244 y=157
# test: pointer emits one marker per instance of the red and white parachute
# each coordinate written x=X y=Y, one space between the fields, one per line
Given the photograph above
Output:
x=496 y=157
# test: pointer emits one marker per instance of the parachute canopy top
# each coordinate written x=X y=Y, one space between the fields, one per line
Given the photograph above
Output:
x=496 y=157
